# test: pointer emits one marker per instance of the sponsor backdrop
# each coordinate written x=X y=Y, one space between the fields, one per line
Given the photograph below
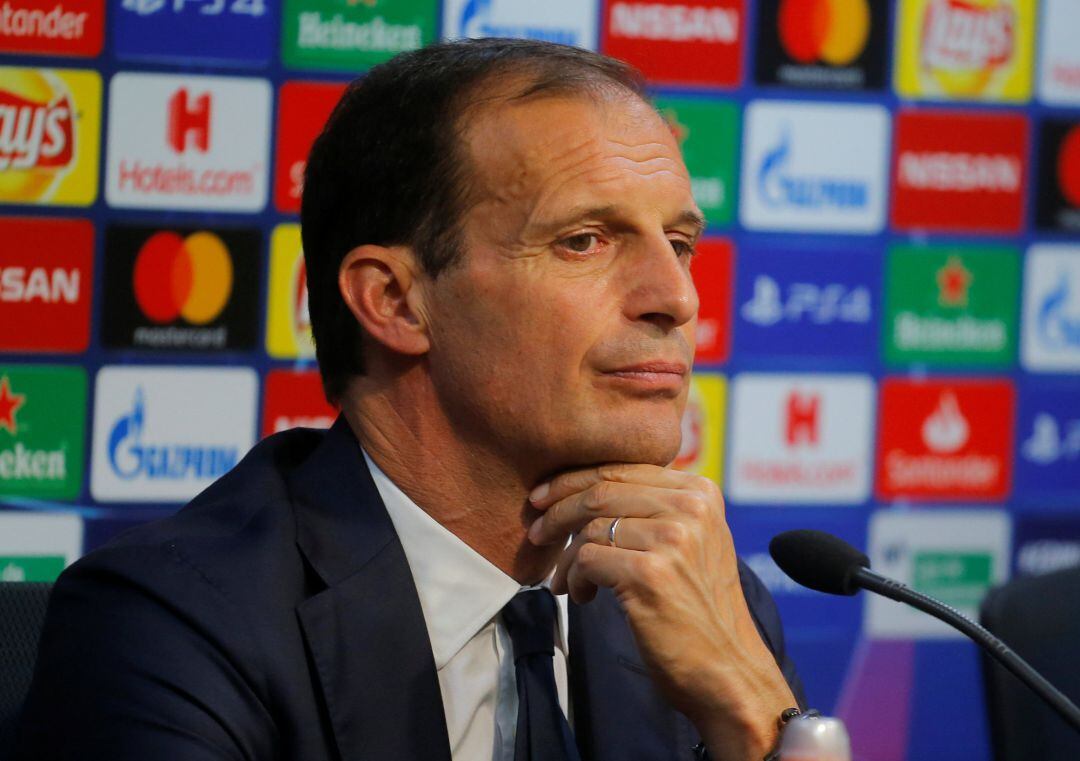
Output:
x=889 y=343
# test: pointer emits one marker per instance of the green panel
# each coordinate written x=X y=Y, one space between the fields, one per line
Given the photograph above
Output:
x=30 y=567
x=951 y=305
x=959 y=579
x=42 y=427
x=708 y=132
x=351 y=35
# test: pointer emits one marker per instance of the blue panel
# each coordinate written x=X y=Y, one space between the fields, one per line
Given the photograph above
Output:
x=227 y=32
x=1048 y=443
x=800 y=301
x=948 y=714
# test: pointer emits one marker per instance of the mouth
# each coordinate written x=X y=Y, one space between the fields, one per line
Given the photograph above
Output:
x=651 y=376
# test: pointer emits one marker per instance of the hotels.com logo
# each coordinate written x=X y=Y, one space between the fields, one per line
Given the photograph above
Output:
x=800 y=439
x=189 y=120
x=801 y=424
x=188 y=142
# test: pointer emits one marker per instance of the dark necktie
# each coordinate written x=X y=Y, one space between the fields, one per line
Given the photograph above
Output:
x=543 y=734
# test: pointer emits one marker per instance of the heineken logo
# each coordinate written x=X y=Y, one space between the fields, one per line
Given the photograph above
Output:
x=951 y=305
x=9 y=405
x=347 y=35
x=953 y=281
x=42 y=417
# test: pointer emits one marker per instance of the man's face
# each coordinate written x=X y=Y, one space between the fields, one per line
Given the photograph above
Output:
x=565 y=335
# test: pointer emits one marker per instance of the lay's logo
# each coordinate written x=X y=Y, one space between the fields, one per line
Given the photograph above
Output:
x=960 y=35
x=965 y=49
x=49 y=124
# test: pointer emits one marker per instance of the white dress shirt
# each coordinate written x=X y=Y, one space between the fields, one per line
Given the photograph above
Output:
x=461 y=594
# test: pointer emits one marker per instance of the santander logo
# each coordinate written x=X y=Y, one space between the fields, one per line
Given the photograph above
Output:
x=946 y=430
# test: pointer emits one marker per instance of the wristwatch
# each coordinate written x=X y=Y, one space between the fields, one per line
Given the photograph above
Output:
x=786 y=716
x=701 y=754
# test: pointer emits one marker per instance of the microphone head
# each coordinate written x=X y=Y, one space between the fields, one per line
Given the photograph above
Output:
x=818 y=560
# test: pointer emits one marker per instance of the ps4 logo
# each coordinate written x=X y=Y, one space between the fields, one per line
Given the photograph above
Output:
x=476 y=21
x=1057 y=329
x=778 y=188
x=206 y=7
x=818 y=304
x=1048 y=443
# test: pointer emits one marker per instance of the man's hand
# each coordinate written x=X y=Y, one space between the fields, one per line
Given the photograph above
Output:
x=673 y=569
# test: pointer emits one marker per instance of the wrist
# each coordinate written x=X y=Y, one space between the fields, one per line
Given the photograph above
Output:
x=748 y=727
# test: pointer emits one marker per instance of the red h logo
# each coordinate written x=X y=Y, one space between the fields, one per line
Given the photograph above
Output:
x=186 y=118
x=802 y=419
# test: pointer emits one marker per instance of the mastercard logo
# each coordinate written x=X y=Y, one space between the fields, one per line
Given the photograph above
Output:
x=189 y=278
x=831 y=31
x=1068 y=167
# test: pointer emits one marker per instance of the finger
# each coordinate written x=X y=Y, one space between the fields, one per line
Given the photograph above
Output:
x=574 y=481
x=639 y=534
x=606 y=498
x=600 y=566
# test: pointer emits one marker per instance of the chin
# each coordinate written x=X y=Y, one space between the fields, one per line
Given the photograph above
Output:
x=641 y=443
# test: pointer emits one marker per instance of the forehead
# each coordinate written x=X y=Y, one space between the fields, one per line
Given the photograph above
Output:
x=570 y=143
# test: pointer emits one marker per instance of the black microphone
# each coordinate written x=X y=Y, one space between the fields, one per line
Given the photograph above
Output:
x=826 y=563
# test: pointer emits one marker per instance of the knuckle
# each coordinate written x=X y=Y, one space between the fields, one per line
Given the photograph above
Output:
x=597 y=530
x=598 y=496
x=586 y=556
x=650 y=570
x=707 y=486
x=695 y=505
x=673 y=534
x=614 y=471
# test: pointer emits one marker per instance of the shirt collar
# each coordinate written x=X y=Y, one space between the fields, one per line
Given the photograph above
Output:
x=460 y=590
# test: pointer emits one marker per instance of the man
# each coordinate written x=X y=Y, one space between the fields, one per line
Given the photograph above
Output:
x=498 y=238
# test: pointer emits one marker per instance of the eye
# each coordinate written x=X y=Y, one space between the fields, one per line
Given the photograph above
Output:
x=581 y=243
x=682 y=247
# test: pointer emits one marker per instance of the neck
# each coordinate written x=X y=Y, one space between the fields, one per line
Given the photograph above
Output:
x=478 y=496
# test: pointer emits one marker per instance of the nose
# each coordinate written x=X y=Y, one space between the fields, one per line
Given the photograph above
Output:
x=661 y=289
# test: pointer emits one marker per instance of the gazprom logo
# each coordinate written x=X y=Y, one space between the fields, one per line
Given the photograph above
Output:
x=132 y=457
x=779 y=187
x=478 y=20
x=1057 y=326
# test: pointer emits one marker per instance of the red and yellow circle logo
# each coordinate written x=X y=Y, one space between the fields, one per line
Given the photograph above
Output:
x=1068 y=166
x=189 y=278
x=830 y=31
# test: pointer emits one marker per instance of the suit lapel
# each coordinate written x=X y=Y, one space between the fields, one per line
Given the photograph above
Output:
x=365 y=631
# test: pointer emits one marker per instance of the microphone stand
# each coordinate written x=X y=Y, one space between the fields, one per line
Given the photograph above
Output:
x=1002 y=653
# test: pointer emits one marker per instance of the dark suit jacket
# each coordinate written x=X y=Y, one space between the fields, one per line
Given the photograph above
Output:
x=275 y=617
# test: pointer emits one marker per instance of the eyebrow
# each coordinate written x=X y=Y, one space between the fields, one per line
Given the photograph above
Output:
x=690 y=217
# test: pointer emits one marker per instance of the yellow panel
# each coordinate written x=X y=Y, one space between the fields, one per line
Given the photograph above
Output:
x=702 y=449
x=979 y=50
x=50 y=136
x=288 y=333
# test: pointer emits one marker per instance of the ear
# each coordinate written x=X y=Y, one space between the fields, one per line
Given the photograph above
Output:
x=380 y=285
